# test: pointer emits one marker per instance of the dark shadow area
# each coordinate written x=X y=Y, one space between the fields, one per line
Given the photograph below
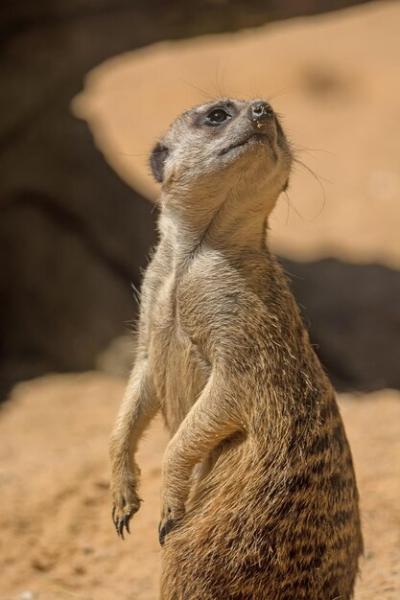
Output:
x=73 y=236
x=353 y=314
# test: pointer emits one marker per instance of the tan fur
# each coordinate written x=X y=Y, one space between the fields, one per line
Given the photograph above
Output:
x=259 y=499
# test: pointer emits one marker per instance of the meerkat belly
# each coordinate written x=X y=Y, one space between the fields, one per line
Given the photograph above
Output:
x=178 y=370
x=185 y=381
x=180 y=378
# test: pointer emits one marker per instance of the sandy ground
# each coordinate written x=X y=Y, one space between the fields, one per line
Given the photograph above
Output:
x=57 y=538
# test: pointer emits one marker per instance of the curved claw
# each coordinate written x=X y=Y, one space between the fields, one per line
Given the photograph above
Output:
x=121 y=516
x=122 y=523
x=114 y=517
x=164 y=529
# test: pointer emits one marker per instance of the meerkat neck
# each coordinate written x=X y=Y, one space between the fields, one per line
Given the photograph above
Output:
x=236 y=225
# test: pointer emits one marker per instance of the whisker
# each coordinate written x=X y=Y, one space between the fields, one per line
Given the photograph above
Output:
x=287 y=206
x=219 y=83
x=205 y=94
x=317 y=179
x=278 y=94
x=291 y=206
x=305 y=149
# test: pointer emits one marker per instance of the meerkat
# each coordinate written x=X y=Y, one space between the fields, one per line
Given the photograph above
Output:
x=259 y=497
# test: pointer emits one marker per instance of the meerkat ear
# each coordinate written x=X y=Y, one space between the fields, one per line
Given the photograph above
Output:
x=158 y=157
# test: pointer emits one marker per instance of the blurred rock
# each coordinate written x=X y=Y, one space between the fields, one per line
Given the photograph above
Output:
x=353 y=314
x=72 y=235
x=344 y=205
x=118 y=358
x=63 y=422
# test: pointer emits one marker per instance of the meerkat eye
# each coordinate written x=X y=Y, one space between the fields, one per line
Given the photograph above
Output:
x=217 y=116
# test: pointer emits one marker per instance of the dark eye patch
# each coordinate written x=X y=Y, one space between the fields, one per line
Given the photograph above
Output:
x=218 y=115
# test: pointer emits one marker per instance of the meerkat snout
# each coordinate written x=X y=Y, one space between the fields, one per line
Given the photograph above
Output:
x=260 y=112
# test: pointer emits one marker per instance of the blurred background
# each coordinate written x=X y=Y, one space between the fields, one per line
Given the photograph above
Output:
x=87 y=86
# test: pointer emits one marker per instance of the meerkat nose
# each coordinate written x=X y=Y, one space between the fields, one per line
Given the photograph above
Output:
x=260 y=111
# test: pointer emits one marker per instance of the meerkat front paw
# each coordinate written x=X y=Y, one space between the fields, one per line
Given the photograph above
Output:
x=164 y=527
x=170 y=518
x=126 y=503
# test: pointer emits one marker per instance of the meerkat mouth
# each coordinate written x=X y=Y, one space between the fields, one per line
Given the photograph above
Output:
x=258 y=137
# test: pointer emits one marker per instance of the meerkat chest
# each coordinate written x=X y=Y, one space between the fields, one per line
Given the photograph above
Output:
x=178 y=369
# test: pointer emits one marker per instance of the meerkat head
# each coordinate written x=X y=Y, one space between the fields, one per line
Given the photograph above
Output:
x=220 y=147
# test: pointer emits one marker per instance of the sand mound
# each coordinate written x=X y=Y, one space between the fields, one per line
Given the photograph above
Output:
x=57 y=538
